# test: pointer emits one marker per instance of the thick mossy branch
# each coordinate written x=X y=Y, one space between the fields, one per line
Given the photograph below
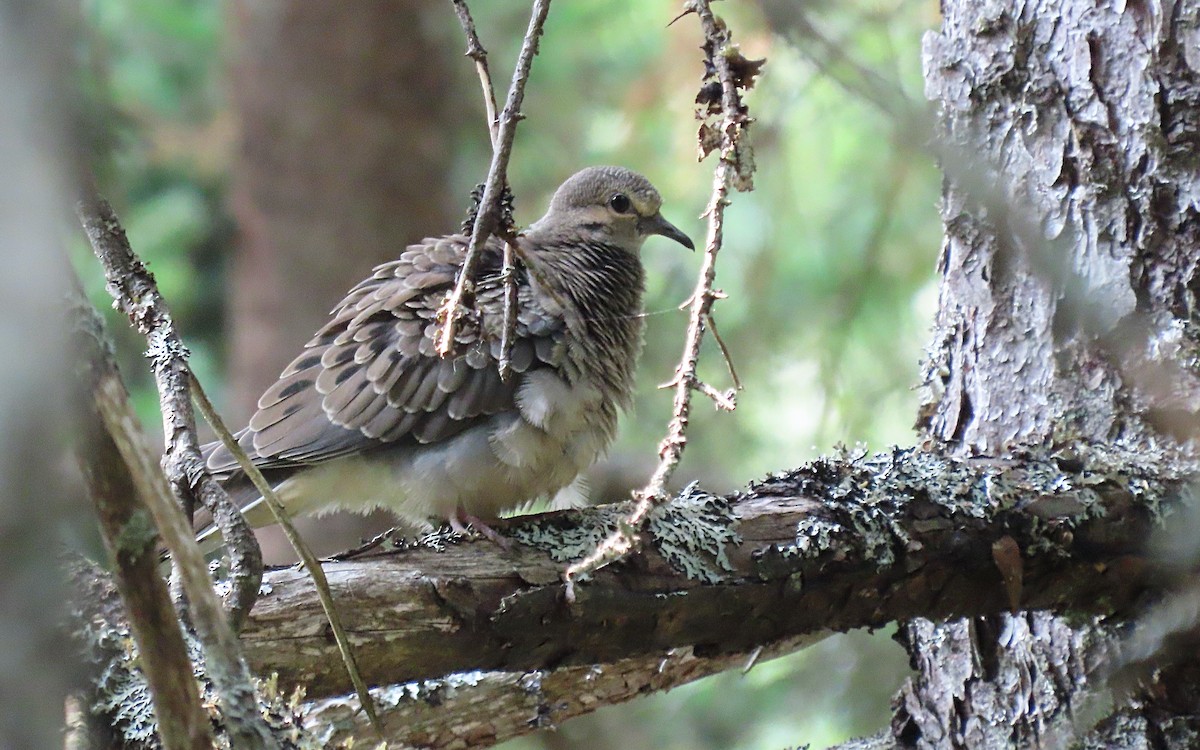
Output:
x=845 y=542
x=472 y=645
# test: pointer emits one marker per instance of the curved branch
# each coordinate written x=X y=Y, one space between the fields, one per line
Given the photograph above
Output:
x=119 y=494
x=136 y=294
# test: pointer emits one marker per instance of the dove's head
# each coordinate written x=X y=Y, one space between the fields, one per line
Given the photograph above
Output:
x=608 y=204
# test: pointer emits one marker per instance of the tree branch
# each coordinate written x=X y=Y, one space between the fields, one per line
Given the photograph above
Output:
x=476 y=52
x=135 y=291
x=480 y=709
x=136 y=294
x=838 y=544
x=138 y=297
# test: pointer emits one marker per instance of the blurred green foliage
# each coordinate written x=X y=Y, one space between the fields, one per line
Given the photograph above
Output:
x=828 y=263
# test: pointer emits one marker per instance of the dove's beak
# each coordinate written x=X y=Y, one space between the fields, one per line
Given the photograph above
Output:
x=656 y=224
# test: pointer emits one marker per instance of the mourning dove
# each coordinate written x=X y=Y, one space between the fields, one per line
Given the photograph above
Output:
x=370 y=416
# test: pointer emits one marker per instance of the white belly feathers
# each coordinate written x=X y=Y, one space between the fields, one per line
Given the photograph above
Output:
x=511 y=459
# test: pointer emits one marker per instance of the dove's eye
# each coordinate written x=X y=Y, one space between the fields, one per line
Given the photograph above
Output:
x=620 y=203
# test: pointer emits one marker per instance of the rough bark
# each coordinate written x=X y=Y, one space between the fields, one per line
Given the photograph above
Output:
x=136 y=294
x=1067 y=311
x=1087 y=119
x=480 y=709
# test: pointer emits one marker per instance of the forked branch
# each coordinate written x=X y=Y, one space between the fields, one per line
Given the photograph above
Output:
x=136 y=293
x=476 y=52
x=493 y=188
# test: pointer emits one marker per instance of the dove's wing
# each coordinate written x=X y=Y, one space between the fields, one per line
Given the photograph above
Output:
x=371 y=377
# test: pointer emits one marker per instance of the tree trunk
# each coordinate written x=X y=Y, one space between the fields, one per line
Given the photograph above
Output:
x=1068 y=296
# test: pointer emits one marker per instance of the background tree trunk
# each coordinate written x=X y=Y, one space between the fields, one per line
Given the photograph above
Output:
x=38 y=514
x=1068 y=293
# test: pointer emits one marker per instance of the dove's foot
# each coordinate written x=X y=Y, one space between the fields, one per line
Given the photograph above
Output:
x=462 y=522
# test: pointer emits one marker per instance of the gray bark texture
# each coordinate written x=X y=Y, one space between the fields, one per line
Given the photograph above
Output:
x=836 y=545
x=1069 y=262
x=1067 y=312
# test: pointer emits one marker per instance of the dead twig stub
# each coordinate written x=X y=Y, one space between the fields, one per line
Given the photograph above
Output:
x=724 y=119
x=509 y=277
x=712 y=326
x=494 y=187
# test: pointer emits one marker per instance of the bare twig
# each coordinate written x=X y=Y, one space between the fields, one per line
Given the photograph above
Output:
x=712 y=326
x=136 y=294
x=752 y=660
x=108 y=433
x=733 y=170
x=724 y=400
x=489 y=205
x=311 y=564
x=509 y=277
x=476 y=52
